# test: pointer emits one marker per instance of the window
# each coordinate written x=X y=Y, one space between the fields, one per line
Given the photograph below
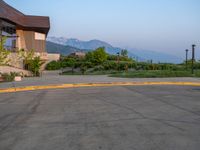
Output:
x=39 y=36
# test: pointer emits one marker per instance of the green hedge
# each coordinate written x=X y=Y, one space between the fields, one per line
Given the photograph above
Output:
x=54 y=65
x=156 y=74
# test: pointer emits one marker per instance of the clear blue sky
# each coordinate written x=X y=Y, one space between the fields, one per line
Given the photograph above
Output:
x=168 y=26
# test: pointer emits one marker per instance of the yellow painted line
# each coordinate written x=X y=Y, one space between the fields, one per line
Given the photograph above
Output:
x=63 y=86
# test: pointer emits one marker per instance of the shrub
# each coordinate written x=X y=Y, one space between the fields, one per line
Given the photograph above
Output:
x=83 y=68
x=34 y=65
x=110 y=65
x=3 y=53
x=98 y=68
x=54 y=65
x=9 y=77
x=98 y=56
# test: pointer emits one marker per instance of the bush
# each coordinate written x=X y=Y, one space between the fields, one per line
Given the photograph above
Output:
x=98 y=68
x=98 y=56
x=54 y=65
x=9 y=77
x=110 y=65
x=156 y=74
x=34 y=65
x=83 y=68
x=3 y=52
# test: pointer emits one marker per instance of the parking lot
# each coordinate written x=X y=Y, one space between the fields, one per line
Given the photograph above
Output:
x=109 y=118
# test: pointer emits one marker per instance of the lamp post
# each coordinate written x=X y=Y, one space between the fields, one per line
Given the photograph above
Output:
x=186 y=59
x=193 y=57
x=118 y=59
x=1 y=37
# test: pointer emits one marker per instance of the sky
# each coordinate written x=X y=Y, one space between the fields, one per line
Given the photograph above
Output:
x=168 y=26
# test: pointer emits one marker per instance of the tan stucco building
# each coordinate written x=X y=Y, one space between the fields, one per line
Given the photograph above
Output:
x=23 y=31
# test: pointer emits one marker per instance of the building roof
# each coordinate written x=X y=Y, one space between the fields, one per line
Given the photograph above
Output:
x=22 y=21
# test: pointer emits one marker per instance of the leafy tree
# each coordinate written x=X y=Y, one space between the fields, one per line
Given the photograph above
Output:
x=100 y=55
x=112 y=57
x=83 y=68
x=53 y=65
x=124 y=53
x=3 y=53
x=90 y=57
x=71 y=63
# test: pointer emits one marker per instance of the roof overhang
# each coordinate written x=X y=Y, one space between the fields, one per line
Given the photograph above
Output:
x=22 y=21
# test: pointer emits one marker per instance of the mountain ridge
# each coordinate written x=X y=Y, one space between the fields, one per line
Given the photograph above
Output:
x=61 y=49
x=140 y=55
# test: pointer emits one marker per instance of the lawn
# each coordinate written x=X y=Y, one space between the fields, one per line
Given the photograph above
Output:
x=156 y=74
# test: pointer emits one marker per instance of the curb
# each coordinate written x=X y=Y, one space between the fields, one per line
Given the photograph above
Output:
x=77 y=85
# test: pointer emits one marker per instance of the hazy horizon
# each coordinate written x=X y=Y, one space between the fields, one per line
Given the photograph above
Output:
x=158 y=25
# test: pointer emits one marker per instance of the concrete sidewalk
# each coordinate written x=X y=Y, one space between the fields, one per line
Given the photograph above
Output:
x=52 y=78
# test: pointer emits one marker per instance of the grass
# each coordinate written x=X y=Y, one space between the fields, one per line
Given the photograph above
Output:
x=140 y=74
x=156 y=74
x=103 y=72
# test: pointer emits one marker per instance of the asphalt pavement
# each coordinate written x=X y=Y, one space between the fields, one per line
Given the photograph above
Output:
x=108 y=118
x=53 y=77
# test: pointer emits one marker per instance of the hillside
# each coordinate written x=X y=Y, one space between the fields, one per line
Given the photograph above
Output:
x=140 y=55
x=61 y=49
x=89 y=45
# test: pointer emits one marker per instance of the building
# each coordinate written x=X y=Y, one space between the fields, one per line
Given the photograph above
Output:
x=23 y=31
x=78 y=54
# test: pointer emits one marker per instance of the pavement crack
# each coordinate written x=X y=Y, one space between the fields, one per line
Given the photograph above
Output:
x=121 y=106
x=156 y=98
x=23 y=116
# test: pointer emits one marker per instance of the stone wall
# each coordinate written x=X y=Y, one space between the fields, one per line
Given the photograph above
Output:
x=16 y=62
x=8 y=69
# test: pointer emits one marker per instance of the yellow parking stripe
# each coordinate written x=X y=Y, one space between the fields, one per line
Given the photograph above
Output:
x=62 y=86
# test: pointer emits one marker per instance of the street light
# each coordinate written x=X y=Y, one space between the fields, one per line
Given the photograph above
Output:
x=118 y=59
x=1 y=37
x=186 y=59
x=193 y=57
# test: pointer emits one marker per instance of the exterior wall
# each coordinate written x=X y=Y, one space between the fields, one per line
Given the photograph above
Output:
x=26 y=40
x=15 y=61
x=8 y=69
x=52 y=57
x=78 y=54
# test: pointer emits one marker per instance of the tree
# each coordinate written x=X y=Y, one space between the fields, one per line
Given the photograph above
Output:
x=83 y=68
x=71 y=63
x=100 y=55
x=90 y=57
x=3 y=53
x=124 y=53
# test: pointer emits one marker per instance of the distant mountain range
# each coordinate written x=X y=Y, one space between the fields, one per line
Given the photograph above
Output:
x=62 y=49
x=66 y=46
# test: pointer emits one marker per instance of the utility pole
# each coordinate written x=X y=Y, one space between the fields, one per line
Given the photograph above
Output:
x=186 y=59
x=193 y=57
